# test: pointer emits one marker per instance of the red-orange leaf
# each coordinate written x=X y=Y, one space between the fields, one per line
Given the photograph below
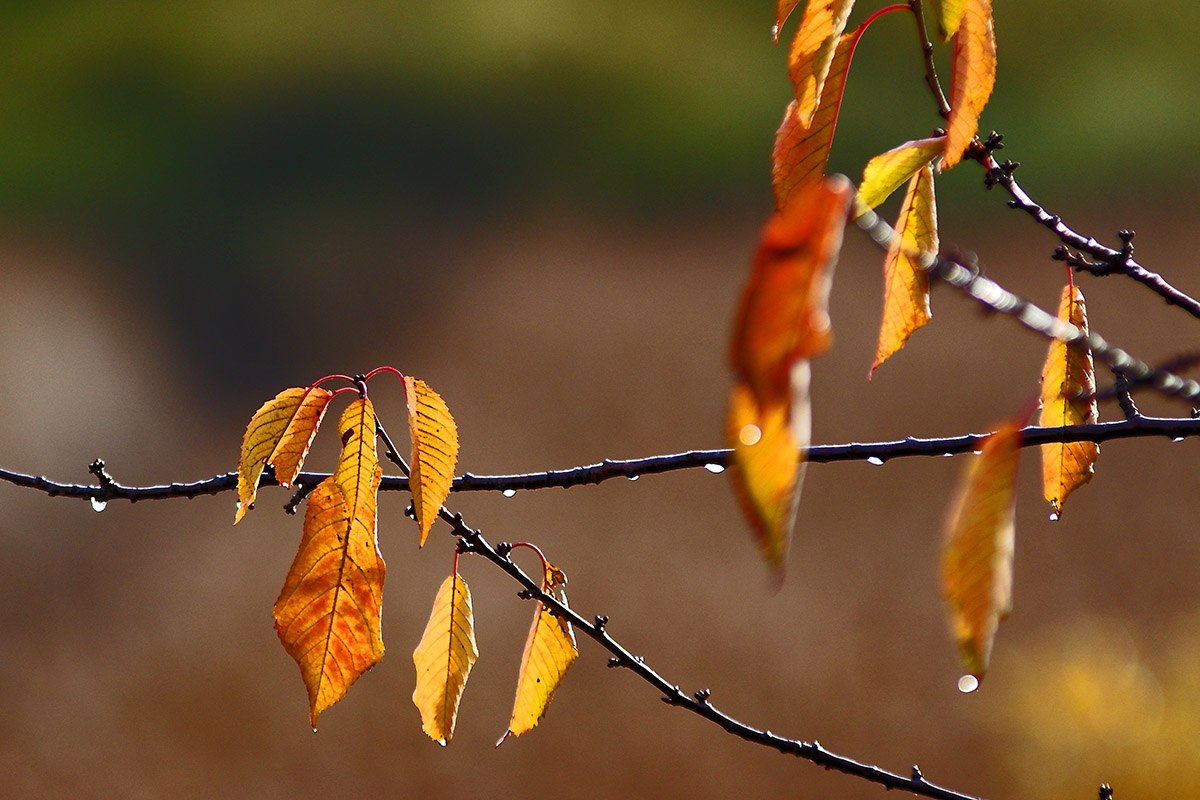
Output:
x=977 y=556
x=813 y=51
x=434 y=451
x=974 y=77
x=949 y=14
x=783 y=9
x=327 y=615
x=1068 y=374
x=444 y=659
x=905 y=284
x=885 y=172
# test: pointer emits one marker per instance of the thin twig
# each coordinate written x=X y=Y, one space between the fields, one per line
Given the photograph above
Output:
x=931 y=76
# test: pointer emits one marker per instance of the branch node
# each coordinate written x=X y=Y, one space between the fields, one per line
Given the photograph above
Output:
x=525 y=594
x=993 y=142
x=1106 y=792
x=601 y=621
x=503 y=549
x=614 y=662
x=702 y=696
x=1126 y=237
x=917 y=777
x=463 y=546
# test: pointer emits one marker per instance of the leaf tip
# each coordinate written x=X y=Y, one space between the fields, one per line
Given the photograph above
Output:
x=503 y=738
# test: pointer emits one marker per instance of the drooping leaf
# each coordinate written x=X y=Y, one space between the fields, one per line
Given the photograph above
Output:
x=949 y=14
x=1067 y=376
x=358 y=471
x=813 y=51
x=977 y=556
x=905 y=285
x=885 y=172
x=801 y=151
x=974 y=77
x=444 y=659
x=434 y=451
x=327 y=615
x=549 y=652
x=783 y=9
x=279 y=433
x=784 y=309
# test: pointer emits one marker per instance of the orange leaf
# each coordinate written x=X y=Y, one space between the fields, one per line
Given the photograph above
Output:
x=813 y=51
x=905 y=284
x=279 y=433
x=783 y=9
x=1068 y=373
x=977 y=556
x=549 y=652
x=434 y=451
x=801 y=151
x=784 y=309
x=327 y=615
x=974 y=77
x=885 y=172
x=444 y=658
x=949 y=15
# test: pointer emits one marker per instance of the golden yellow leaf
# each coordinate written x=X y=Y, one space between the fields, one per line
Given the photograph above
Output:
x=549 y=652
x=327 y=615
x=905 y=284
x=434 y=451
x=813 y=51
x=977 y=557
x=279 y=433
x=1067 y=374
x=444 y=658
x=974 y=77
x=358 y=471
x=949 y=14
x=885 y=172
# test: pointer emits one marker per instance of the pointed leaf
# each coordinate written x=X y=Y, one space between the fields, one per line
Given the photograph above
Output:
x=444 y=658
x=813 y=51
x=549 y=652
x=885 y=172
x=434 y=451
x=327 y=615
x=949 y=14
x=977 y=556
x=905 y=284
x=1067 y=374
x=974 y=77
x=358 y=471
x=783 y=9
x=279 y=431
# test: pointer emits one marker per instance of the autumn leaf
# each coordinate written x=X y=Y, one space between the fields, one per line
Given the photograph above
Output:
x=783 y=9
x=885 y=172
x=949 y=14
x=905 y=284
x=812 y=52
x=549 y=652
x=327 y=615
x=434 y=451
x=974 y=77
x=279 y=433
x=358 y=471
x=1067 y=375
x=977 y=556
x=444 y=658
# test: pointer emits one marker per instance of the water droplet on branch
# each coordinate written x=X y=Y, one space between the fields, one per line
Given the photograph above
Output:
x=98 y=505
x=968 y=684
x=875 y=461
x=715 y=469
x=509 y=492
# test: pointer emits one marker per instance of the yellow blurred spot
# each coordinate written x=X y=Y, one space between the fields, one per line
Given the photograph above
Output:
x=968 y=684
x=749 y=435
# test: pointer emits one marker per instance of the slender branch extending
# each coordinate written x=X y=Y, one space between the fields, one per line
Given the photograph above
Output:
x=931 y=77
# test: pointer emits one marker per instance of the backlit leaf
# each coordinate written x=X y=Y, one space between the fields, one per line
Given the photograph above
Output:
x=549 y=652
x=279 y=433
x=444 y=658
x=905 y=284
x=813 y=51
x=434 y=451
x=783 y=9
x=949 y=14
x=358 y=471
x=974 y=77
x=327 y=615
x=885 y=172
x=1067 y=374
x=977 y=557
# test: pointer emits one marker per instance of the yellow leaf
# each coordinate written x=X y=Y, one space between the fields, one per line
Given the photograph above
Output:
x=905 y=284
x=949 y=15
x=358 y=471
x=977 y=556
x=434 y=451
x=549 y=652
x=444 y=658
x=1067 y=374
x=279 y=433
x=813 y=51
x=885 y=172
x=327 y=615
x=974 y=77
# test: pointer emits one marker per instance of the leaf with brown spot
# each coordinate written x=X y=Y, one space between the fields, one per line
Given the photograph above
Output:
x=444 y=658
x=885 y=172
x=812 y=52
x=973 y=80
x=1067 y=375
x=434 y=451
x=949 y=14
x=977 y=556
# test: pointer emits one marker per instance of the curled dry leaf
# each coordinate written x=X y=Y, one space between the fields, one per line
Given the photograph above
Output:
x=434 y=451
x=885 y=172
x=977 y=556
x=444 y=658
x=974 y=78
x=949 y=14
x=279 y=433
x=1068 y=376
x=812 y=52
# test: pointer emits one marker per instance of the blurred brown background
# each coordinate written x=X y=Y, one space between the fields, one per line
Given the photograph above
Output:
x=545 y=210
